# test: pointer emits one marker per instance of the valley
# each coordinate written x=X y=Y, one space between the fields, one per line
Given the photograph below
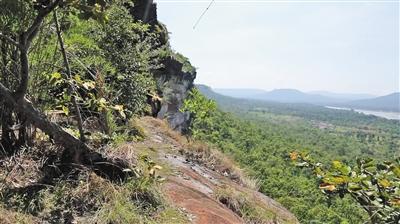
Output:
x=101 y=119
x=260 y=135
x=387 y=115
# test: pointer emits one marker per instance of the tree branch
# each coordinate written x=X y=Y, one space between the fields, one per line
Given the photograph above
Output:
x=9 y=39
x=77 y=152
x=26 y=39
x=34 y=28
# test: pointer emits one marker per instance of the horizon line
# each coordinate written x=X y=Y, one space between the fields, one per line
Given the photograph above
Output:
x=304 y=91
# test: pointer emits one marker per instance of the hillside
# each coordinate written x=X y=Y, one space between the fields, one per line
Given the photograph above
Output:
x=92 y=131
x=198 y=185
x=261 y=135
x=240 y=93
x=389 y=102
x=344 y=96
x=280 y=95
x=100 y=122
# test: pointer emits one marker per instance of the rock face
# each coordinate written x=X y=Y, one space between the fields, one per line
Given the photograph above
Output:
x=194 y=186
x=175 y=77
x=145 y=11
x=174 y=84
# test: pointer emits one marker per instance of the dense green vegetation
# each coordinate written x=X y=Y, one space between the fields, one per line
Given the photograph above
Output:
x=266 y=133
x=374 y=185
x=73 y=77
x=81 y=71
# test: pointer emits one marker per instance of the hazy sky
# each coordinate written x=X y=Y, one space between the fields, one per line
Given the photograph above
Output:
x=342 y=46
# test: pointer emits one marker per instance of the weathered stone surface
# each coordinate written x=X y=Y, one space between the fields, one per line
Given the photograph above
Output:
x=174 y=85
x=173 y=82
x=145 y=11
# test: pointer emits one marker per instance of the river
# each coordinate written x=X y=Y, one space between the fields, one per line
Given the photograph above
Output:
x=387 y=115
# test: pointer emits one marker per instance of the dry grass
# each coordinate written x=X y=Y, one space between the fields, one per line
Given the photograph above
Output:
x=202 y=153
x=124 y=151
x=13 y=217
x=214 y=159
x=162 y=127
x=245 y=206
x=25 y=166
x=136 y=129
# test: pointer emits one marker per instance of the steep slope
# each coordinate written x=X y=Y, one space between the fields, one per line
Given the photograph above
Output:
x=196 y=176
x=389 y=102
x=176 y=182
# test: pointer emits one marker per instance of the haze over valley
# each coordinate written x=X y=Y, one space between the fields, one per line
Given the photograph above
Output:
x=387 y=103
x=102 y=120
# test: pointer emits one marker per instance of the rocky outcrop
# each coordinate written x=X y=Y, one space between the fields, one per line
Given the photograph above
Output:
x=203 y=190
x=145 y=11
x=174 y=85
x=175 y=76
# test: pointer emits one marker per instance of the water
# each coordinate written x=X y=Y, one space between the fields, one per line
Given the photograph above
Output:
x=387 y=115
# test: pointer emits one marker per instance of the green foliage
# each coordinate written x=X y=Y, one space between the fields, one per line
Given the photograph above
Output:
x=374 y=185
x=111 y=65
x=244 y=205
x=187 y=66
x=112 y=60
x=201 y=109
x=261 y=142
x=133 y=50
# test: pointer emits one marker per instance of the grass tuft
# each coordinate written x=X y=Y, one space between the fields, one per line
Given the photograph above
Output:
x=203 y=154
x=244 y=205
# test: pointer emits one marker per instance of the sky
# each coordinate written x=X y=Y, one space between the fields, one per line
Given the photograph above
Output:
x=339 y=46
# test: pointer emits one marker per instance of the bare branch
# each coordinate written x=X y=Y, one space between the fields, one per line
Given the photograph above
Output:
x=9 y=39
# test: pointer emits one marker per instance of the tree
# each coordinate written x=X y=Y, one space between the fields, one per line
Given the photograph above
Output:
x=374 y=185
x=21 y=37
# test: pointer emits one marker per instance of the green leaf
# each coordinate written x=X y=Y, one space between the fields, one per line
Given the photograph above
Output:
x=56 y=76
x=65 y=110
x=396 y=171
x=354 y=187
x=78 y=79
x=384 y=183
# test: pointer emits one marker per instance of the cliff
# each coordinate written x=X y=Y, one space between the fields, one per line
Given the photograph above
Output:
x=174 y=84
x=175 y=76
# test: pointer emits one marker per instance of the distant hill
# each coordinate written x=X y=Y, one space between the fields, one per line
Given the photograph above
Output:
x=389 y=102
x=343 y=96
x=295 y=96
x=211 y=94
x=240 y=93
x=279 y=95
x=311 y=111
x=323 y=98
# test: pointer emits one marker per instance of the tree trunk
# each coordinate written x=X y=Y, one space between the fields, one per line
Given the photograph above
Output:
x=13 y=126
x=80 y=153
x=69 y=75
x=40 y=121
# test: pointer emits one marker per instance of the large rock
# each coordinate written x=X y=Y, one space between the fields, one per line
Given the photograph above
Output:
x=145 y=11
x=174 y=85
x=176 y=75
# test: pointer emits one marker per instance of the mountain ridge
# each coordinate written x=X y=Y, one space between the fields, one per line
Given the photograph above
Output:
x=390 y=102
